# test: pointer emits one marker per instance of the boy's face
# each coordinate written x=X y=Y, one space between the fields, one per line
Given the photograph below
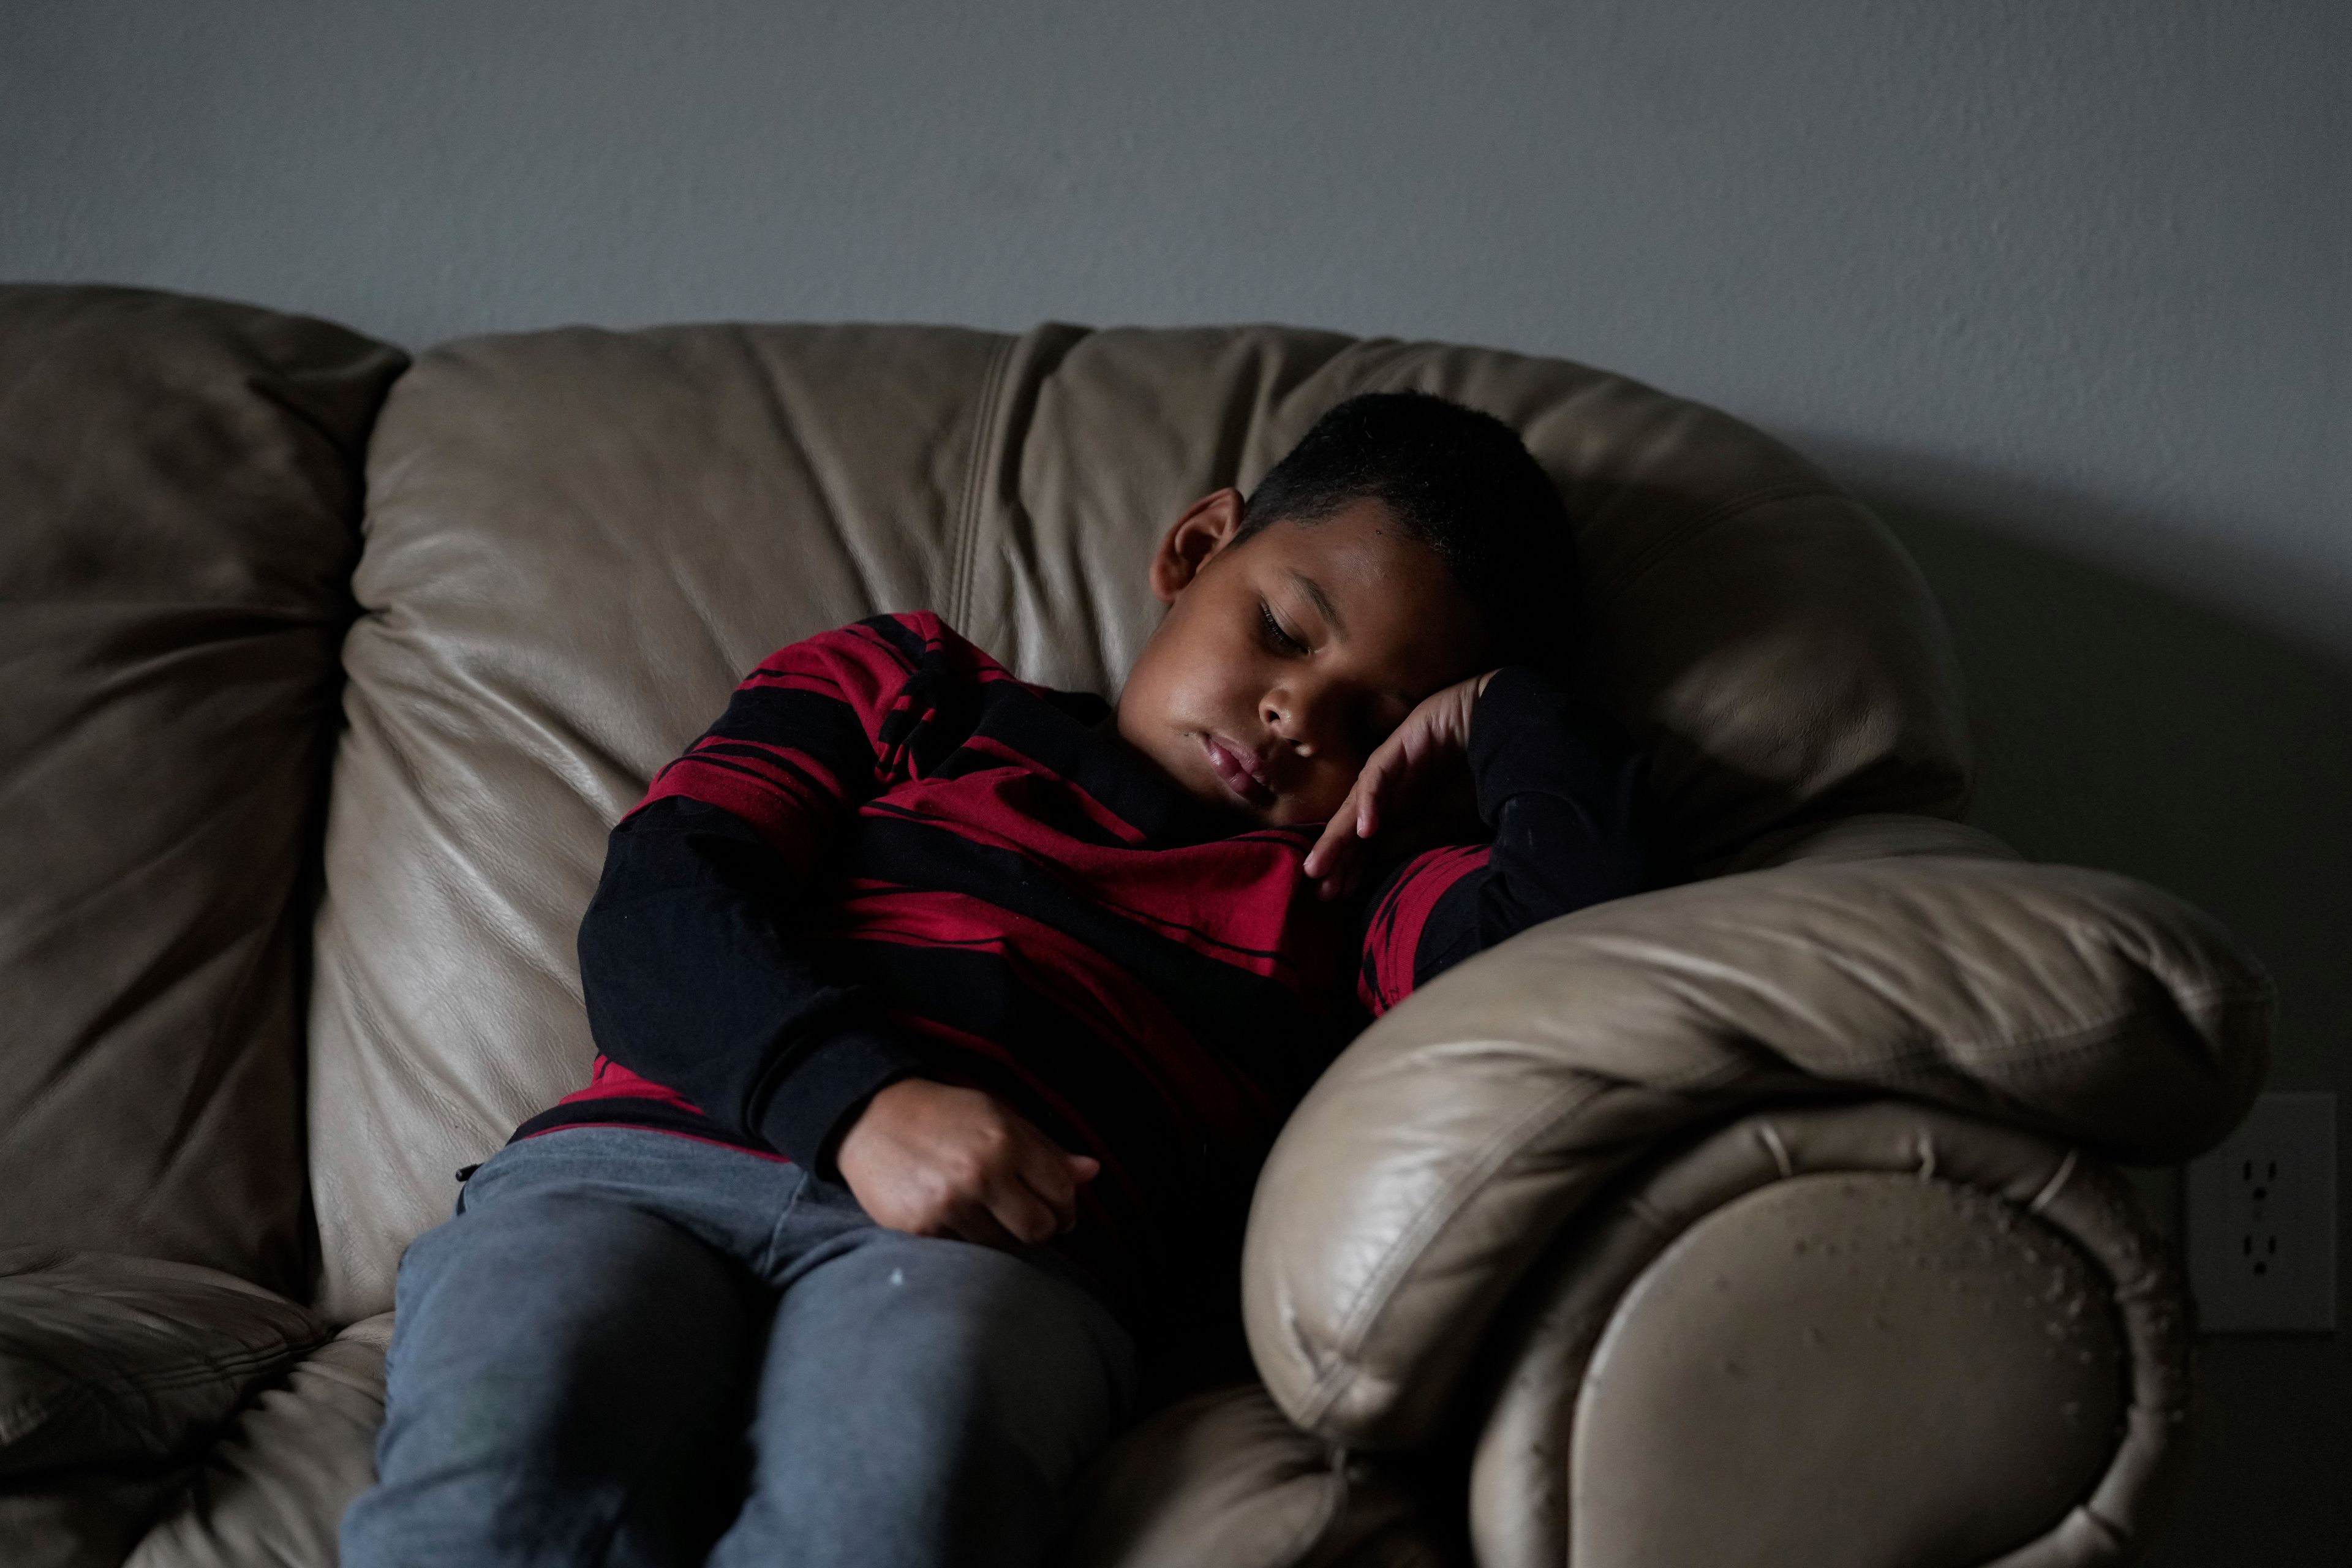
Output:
x=1284 y=660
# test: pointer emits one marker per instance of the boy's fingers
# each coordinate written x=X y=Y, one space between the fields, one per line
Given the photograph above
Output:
x=1338 y=838
x=1061 y=1212
x=1341 y=876
x=1365 y=820
x=1084 y=1167
x=975 y=1221
x=1045 y=1171
x=1382 y=774
x=1327 y=852
x=1026 y=1219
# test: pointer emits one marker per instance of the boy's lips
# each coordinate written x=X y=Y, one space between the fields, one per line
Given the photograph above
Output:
x=1239 y=769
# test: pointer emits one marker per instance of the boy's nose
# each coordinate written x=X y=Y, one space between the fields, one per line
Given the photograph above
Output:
x=1279 y=711
x=1274 y=711
x=1299 y=717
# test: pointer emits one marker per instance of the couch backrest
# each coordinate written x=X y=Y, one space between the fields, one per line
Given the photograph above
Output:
x=577 y=541
x=179 y=511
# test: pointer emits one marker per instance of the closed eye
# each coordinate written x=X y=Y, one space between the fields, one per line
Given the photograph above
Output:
x=1282 y=641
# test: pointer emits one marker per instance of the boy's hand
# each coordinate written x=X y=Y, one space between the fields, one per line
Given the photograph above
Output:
x=1398 y=775
x=936 y=1160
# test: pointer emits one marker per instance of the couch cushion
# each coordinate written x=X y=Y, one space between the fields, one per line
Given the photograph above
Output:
x=86 y=1519
x=576 y=543
x=179 y=491
x=273 y=1490
x=1223 y=1478
x=106 y=1360
x=1778 y=653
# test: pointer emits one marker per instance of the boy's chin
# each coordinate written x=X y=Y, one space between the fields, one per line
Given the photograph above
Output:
x=1283 y=814
x=1222 y=802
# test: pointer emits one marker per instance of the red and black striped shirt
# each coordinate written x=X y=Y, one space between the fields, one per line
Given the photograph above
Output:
x=891 y=858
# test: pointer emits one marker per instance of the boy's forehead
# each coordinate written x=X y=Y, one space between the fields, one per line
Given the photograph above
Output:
x=1361 y=539
x=1357 y=552
x=1373 y=582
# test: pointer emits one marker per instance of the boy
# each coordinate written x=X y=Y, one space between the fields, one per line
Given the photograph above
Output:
x=944 y=1019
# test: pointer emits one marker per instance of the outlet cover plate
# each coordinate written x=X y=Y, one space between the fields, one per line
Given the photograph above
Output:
x=2262 y=1221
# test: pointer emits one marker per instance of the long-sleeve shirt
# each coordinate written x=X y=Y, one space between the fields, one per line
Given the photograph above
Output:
x=889 y=858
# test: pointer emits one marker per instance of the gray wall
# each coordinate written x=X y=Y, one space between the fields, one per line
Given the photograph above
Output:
x=2066 y=289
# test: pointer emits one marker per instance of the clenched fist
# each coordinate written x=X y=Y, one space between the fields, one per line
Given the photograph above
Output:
x=935 y=1160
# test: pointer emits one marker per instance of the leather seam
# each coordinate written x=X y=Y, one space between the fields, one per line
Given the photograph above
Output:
x=1301 y=1546
x=26 y=1418
x=984 y=440
x=1957 y=1053
x=2058 y=1179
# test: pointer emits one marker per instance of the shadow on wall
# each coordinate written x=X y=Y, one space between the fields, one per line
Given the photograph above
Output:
x=2122 y=726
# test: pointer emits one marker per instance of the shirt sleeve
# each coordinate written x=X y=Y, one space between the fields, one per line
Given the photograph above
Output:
x=693 y=970
x=1564 y=794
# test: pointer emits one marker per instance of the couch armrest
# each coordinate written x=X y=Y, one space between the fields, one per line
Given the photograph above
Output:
x=115 y=1361
x=1444 y=1149
x=1957 y=1341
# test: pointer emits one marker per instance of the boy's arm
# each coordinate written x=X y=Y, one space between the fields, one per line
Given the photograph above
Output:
x=694 y=980
x=1563 y=793
x=692 y=973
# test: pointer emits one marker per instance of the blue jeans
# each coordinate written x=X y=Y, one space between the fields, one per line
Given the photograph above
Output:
x=633 y=1347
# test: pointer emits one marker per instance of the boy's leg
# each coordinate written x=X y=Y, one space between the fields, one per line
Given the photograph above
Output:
x=564 y=1387
x=924 y=1402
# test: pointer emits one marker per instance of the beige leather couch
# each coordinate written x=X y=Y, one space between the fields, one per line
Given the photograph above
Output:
x=1767 y=1220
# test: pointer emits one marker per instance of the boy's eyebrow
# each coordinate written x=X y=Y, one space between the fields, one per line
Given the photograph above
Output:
x=1314 y=591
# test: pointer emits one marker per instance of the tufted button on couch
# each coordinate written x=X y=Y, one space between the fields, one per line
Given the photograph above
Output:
x=1766 y=1219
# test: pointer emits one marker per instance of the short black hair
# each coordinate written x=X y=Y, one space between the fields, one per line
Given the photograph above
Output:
x=1459 y=482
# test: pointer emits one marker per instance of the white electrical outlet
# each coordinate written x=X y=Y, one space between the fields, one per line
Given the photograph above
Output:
x=2262 y=1221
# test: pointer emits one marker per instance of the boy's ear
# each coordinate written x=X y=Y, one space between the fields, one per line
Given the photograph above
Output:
x=1207 y=526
